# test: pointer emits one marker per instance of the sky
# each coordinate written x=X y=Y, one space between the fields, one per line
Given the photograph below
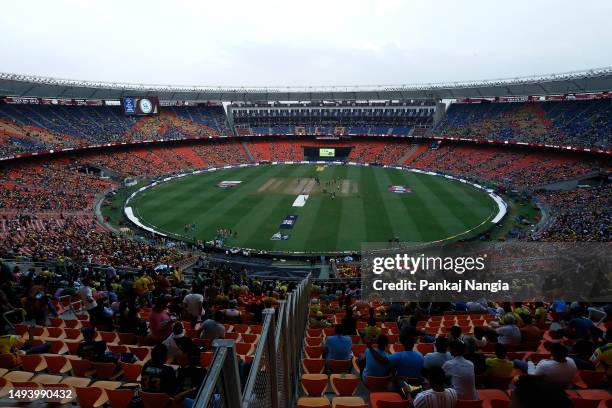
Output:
x=295 y=43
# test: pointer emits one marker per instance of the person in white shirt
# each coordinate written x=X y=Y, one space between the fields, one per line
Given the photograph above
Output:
x=559 y=370
x=193 y=306
x=461 y=372
x=509 y=334
x=439 y=356
x=438 y=396
x=86 y=295
x=170 y=343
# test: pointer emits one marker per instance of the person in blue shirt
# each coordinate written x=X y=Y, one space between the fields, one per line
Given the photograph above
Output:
x=407 y=363
x=338 y=346
x=377 y=359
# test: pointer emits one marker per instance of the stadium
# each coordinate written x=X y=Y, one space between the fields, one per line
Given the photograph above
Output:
x=208 y=246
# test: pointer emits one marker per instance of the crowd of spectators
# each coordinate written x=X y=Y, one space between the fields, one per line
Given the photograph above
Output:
x=580 y=215
x=585 y=123
x=29 y=128
x=486 y=345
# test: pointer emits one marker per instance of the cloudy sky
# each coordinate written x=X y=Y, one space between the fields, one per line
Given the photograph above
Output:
x=329 y=42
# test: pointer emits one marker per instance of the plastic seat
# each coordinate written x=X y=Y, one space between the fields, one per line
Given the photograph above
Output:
x=155 y=399
x=126 y=338
x=249 y=337
x=242 y=328
x=143 y=353
x=386 y=400
x=314 y=384
x=45 y=379
x=132 y=371
x=18 y=376
x=313 y=351
x=55 y=333
x=313 y=341
x=7 y=361
x=397 y=348
x=73 y=334
x=117 y=349
x=57 y=347
x=589 y=379
x=359 y=349
x=76 y=381
x=314 y=332
x=56 y=322
x=313 y=365
x=339 y=366
x=376 y=384
x=585 y=403
x=206 y=359
x=425 y=348
x=348 y=402
x=82 y=368
x=71 y=324
x=91 y=397
x=469 y=404
x=244 y=348
x=73 y=346
x=107 y=371
x=33 y=363
x=69 y=397
x=57 y=364
x=120 y=398
x=313 y=402
x=344 y=385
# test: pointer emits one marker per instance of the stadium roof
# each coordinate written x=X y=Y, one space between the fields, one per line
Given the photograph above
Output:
x=594 y=80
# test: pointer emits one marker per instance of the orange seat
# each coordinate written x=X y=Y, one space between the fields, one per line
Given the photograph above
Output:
x=349 y=402
x=589 y=379
x=376 y=384
x=232 y=336
x=55 y=332
x=109 y=337
x=120 y=398
x=386 y=400
x=155 y=399
x=496 y=403
x=206 y=359
x=256 y=329
x=339 y=366
x=117 y=349
x=57 y=347
x=313 y=402
x=106 y=371
x=71 y=324
x=344 y=384
x=313 y=365
x=56 y=322
x=313 y=351
x=141 y=352
x=91 y=397
x=126 y=338
x=7 y=361
x=313 y=341
x=241 y=328
x=249 y=338
x=82 y=368
x=425 y=348
x=132 y=371
x=57 y=364
x=585 y=403
x=33 y=363
x=359 y=349
x=469 y=404
x=72 y=334
x=73 y=347
x=314 y=384
x=314 y=332
x=244 y=348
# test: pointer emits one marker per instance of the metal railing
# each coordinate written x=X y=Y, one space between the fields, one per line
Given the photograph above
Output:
x=273 y=375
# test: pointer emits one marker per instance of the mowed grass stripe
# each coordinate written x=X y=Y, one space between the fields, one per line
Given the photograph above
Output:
x=461 y=200
x=351 y=214
x=236 y=205
x=379 y=227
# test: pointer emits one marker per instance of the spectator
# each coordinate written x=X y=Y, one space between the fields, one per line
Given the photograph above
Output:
x=160 y=321
x=377 y=358
x=559 y=370
x=156 y=375
x=499 y=366
x=461 y=372
x=538 y=392
x=509 y=334
x=338 y=346
x=192 y=303
x=407 y=363
x=438 y=396
x=530 y=333
x=438 y=357
x=212 y=329
x=91 y=349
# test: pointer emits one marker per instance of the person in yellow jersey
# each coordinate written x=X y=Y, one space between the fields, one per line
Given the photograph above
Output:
x=602 y=357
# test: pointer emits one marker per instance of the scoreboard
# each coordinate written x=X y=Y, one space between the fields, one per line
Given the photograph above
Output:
x=140 y=106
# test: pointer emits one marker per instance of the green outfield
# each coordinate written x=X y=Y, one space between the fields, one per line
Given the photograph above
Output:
x=363 y=210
